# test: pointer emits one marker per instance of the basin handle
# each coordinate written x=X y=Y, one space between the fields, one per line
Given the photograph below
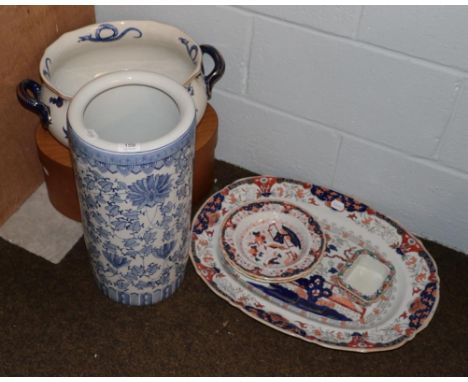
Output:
x=218 y=69
x=28 y=93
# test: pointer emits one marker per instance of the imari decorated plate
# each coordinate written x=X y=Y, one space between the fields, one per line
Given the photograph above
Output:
x=271 y=240
x=373 y=289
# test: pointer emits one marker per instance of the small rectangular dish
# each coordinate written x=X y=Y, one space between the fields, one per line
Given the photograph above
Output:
x=366 y=276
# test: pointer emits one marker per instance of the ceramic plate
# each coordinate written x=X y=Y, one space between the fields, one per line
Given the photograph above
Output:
x=271 y=240
x=319 y=308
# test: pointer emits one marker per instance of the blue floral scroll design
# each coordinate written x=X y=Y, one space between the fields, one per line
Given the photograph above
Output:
x=46 y=70
x=137 y=228
x=65 y=132
x=58 y=101
x=111 y=163
x=99 y=37
x=190 y=90
x=192 y=50
x=150 y=191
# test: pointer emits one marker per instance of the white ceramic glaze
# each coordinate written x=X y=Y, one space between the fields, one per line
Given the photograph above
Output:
x=366 y=275
x=131 y=111
x=82 y=55
x=135 y=195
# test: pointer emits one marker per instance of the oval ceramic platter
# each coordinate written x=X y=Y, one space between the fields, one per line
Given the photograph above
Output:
x=373 y=288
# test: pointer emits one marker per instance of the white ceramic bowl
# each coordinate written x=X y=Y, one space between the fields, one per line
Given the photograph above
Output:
x=82 y=55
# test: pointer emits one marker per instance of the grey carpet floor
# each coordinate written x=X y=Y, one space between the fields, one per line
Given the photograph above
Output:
x=55 y=322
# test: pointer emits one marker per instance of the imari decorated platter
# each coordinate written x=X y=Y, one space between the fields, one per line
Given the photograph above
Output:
x=271 y=240
x=373 y=289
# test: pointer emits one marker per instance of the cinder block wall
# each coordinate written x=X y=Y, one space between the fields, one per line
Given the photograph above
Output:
x=371 y=101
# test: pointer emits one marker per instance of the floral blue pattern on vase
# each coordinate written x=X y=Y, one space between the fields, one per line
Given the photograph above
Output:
x=136 y=217
x=150 y=190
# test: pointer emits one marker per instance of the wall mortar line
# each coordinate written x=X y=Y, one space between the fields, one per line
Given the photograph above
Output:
x=337 y=158
x=443 y=135
x=423 y=160
x=245 y=88
x=358 y=26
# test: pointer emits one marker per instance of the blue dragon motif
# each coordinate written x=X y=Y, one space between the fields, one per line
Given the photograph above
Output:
x=191 y=50
x=99 y=37
x=56 y=101
x=65 y=132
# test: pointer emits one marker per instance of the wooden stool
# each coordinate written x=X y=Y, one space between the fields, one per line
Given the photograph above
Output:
x=56 y=162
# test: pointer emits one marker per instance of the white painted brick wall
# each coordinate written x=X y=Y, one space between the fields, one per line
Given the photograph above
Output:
x=454 y=147
x=336 y=19
x=371 y=101
x=436 y=33
x=425 y=196
x=350 y=87
x=262 y=139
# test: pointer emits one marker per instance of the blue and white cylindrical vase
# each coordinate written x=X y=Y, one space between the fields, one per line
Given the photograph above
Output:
x=132 y=141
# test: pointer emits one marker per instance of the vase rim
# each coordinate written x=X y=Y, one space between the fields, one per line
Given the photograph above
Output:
x=85 y=96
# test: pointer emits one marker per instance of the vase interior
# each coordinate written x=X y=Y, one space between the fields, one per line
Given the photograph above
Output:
x=131 y=114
